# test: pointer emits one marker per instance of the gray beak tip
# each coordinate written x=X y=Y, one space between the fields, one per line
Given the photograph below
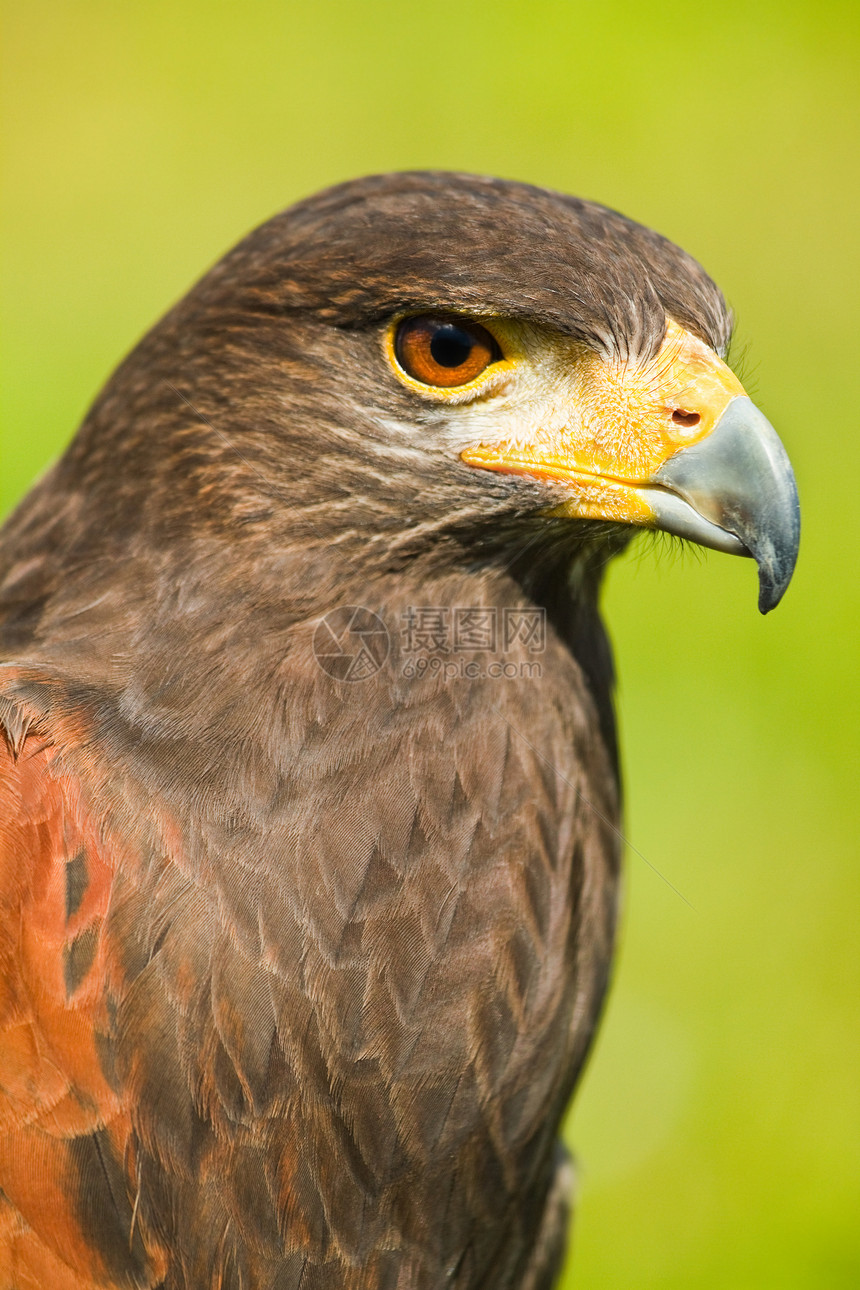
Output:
x=768 y=596
x=774 y=574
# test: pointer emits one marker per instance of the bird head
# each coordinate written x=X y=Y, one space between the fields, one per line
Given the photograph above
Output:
x=418 y=350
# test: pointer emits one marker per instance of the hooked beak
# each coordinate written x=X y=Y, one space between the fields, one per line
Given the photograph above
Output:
x=734 y=491
x=673 y=443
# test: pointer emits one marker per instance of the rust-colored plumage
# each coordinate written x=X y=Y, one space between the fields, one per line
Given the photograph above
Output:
x=298 y=973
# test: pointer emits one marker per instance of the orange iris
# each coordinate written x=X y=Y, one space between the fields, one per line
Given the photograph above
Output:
x=444 y=352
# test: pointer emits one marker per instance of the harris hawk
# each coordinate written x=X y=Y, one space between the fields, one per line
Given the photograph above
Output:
x=307 y=901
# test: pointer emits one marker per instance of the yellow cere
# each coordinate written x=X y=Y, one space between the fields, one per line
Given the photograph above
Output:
x=624 y=421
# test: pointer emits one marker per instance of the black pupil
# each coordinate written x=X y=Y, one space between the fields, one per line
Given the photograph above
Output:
x=451 y=346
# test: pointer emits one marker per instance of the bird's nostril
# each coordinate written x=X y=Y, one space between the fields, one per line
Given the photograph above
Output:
x=682 y=418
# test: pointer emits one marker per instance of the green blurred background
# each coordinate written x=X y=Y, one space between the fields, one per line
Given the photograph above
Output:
x=718 y=1127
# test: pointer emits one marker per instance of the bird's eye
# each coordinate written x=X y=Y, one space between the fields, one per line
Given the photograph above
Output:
x=444 y=352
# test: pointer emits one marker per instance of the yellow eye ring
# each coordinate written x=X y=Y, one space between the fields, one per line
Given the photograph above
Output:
x=445 y=356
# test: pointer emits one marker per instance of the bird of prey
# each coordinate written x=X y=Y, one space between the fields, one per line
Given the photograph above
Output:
x=309 y=806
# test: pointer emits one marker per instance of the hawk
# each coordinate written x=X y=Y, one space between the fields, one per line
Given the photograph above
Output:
x=309 y=800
